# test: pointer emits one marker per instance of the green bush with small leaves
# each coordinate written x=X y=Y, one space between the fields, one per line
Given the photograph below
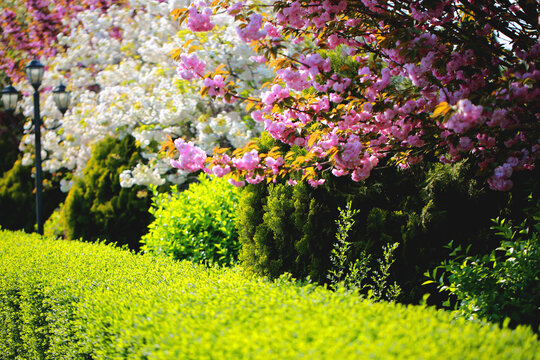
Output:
x=370 y=280
x=56 y=225
x=197 y=224
x=76 y=300
x=503 y=284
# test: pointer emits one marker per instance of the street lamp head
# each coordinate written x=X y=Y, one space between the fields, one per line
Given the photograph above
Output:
x=10 y=96
x=34 y=71
x=61 y=98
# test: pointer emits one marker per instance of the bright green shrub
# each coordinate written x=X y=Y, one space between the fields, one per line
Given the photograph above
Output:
x=502 y=284
x=197 y=224
x=97 y=207
x=73 y=300
x=56 y=225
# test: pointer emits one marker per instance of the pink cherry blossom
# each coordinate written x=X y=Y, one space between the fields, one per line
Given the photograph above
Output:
x=191 y=158
x=249 y=162
x=199 y=20
x=190 y=67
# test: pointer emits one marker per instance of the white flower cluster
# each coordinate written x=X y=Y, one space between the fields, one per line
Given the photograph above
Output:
x=123 y=81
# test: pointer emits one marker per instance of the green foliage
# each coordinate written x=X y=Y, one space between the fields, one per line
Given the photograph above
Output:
x=502 y=284
x=11 y=131
x=97 y=207
x=197 y=224
x=340 y=272
x=72 y=300
x=380 y=288
x=284 y=229
x=56 y=225
x=18 y=198
x=354 y=275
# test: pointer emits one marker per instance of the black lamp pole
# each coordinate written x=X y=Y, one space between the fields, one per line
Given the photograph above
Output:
x=39 y=179
x=34 y=71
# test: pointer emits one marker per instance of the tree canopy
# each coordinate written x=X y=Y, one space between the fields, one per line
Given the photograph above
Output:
x=367 y=83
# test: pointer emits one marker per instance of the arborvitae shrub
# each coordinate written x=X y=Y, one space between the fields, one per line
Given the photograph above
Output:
x=284 y=229
x=11 y=131
x=291 y=229
x=18 y=198
x=197 y=224
x=98 y=208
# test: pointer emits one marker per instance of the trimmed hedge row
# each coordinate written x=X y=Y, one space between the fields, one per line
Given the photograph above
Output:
x=73 y=300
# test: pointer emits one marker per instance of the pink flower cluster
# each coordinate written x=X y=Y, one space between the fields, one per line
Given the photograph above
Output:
x=353 y=117
x=467 y=116
x=199 y=20
x=274 y=95
x=221 y=166
x=191 y=158
x=252 y=32
x=215 y=86
x=190 y=67
x=248 y=162
x=501 y=178
x=295 y=80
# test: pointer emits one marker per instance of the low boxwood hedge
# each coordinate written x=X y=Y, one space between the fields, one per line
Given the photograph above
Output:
x=71 y=300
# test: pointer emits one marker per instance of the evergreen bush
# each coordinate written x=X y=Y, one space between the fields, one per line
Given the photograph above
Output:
x=285 y=229
x=18 y=198
x=291 y=229
x=97 y=207
x=11 y=131
x=197 y=224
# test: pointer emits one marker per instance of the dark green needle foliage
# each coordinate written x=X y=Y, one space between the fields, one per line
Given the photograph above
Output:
x=18 y=198
x=97 y=207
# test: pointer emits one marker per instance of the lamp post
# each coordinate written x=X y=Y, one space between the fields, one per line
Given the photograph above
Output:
x=34 y=71
x=10 y=96
x=61 y=98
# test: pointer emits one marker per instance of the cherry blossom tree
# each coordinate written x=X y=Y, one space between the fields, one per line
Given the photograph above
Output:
x=367 y=83
x=29 y=28
x=115 y=60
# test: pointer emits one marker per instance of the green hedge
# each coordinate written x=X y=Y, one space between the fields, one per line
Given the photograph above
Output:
x=70 y=300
